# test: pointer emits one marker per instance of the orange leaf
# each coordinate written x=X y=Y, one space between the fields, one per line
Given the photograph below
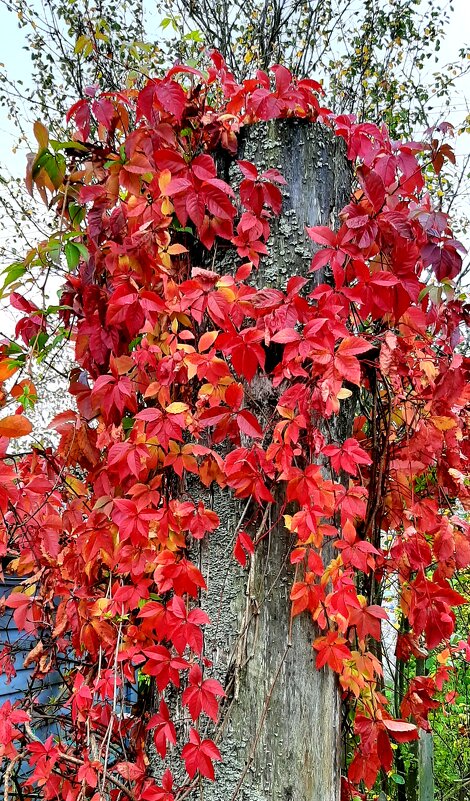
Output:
x=7 y=369
x=19 y=389
x=15 y=425
x=207 y=340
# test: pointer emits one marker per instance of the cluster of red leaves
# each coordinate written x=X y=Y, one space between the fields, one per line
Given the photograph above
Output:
x=99 y=529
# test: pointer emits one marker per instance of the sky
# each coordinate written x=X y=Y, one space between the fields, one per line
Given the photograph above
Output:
x=18 y=65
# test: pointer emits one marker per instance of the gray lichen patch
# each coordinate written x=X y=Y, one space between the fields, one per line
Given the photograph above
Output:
x=312 y=161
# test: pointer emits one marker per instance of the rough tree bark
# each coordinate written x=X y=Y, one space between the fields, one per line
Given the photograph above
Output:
x=280 y=723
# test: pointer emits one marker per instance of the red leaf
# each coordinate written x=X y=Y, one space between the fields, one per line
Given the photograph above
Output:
x=286 y=335
x=401 y=731
x=248 y=169
x=199 y=755
x=201 y=696
x=332 y=651
x=243 y=543
x=248 y=423
x=164 y=729
x=171 y=97
x=322 y=235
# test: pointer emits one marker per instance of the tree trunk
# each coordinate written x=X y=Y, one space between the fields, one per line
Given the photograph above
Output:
x=280 y=738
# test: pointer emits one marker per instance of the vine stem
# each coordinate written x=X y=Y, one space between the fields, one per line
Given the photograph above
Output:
x=7 y=777
x=117 y=782
x=63 y=757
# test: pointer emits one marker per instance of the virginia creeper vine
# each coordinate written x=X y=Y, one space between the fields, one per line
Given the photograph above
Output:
x=99 y=529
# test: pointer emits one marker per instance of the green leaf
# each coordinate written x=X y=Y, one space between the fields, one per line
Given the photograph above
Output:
x=395 y=777
x=13 y=347
x=39 y=341
x=72 y=254
x=39 y=162
x=54 y=250
x=84 y=252
x=193 y=36
x=186 y=229
x=77 y=213
x=135 y=342
x=54 y=166
x=27 y=399
x=70 y=144
x=13 y=272
x=424 y=292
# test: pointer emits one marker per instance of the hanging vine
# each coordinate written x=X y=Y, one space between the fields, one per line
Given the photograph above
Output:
x=99 y=529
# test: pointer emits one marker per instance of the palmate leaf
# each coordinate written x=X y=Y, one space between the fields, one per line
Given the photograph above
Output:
x=192 y=384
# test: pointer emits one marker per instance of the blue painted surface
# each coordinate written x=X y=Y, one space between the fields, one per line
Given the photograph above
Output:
x=22 y=643
x=44 y=690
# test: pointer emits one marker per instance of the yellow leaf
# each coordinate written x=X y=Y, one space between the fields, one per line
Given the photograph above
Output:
x=443 y=423
x=82 y=43
x=77 y=486
x=177 y=408
x=100 y=607
x=444 y=656
x=285 y=412
x=163 y=180
x=167 y=207
x=42 y=134
x=428 y=368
